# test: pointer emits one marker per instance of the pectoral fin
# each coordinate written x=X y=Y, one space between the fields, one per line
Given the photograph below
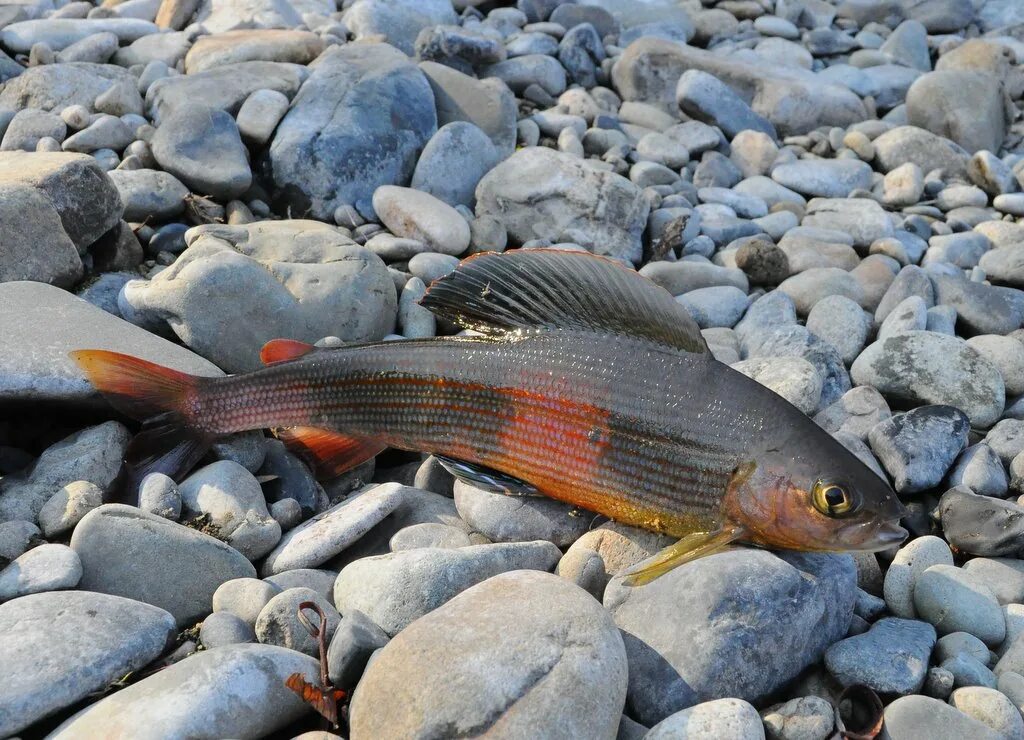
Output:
x=487 y=479
x=690 y=547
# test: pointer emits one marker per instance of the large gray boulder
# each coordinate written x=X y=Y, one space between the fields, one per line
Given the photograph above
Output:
x=964 y=106
x=298 y=279
x=693 y=634
x=359 y=122
x=540 y=193
x=57 y=648
x=229 y=691
x=523 y=654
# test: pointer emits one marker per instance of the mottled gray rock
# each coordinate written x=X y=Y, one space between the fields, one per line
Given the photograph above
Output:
x=688 y=632
x=891 y=657
x=793 y=378
x=499 y=636
x=231 y=497
x=354 y=642
x=917 y=448
x=929 y=152
x=953 y=600
x=341 y=139
x=910 y=314
x=396 y=589
x=203 y=149
x=542 y=193
x=453 y=162
x=981 y=525
x=319 y=539
x=223 y=88
x=29 y=126
x=717 y=718
x=1006 y=438
x=244 y=598
x=1004 y=577
x=798 y=341
x=93 y=455
x=862 y=219
x=64 y=509
x=912 y=717
x=278 y=622
x=856 y=413
x=504 y=518
x=188 y=699
x=44 y=568
x=173 y=567
x=486 y=103
x=53 y=87
x=149 y=194
x=991 y=707
x=965 y=107
x=158 y=494
x=298 y=279
x=251 y=45
x=841 y=322
x=224 y=628
x=826 y=178
x=893 y=365
x=57 y=648
x=803 y=718
x=979 y=469
x=704 y=97
x=716 y=306
x=913 y=559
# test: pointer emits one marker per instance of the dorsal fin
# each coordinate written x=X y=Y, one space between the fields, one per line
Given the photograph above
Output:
x=558 y=289
x=282 y=350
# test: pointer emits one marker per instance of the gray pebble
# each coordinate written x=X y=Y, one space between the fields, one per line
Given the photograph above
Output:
x=224 y=628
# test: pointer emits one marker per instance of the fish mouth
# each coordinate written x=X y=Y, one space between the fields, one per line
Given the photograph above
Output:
x=875 y=536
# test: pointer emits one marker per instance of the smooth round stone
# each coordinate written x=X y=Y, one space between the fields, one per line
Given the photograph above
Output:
x=911 y=314
x=244 y=597
x=504 y=518
x=925 y=367
x=1004 y=577
x=354 y=642
x=825 y=178
x=918 y=448
x=803 y=718
x=43 y=568
x=429 y=266
x=813 y=285
x=938 y=684
x=842 y=323
x=1006 y=438
x=1012 y=203
x=793 y=378
x=910 y=562
x=191 y=698
x=1012 y=685
x=224 y=628
x=1007 y=354
x=719 y=718
x=396 y=589
x=961 y=643
x=979 y=469
x=260 y=114
x=159 y=495
x=498 y=637
x=429 y=534
x=417 y=215
x=952 y=600
x=981 y=525
x=716 y=306
x=287 y=512
x=914 y=717
x=891 y=658
x=278 y=621
x=321 y=581
x=57 y=648
x=991 y=707
x=969 y=671
x=172 y=566
x=15 y=538
x=857 y=412
x=659 y=148
x=65 y=509
x=150 y=194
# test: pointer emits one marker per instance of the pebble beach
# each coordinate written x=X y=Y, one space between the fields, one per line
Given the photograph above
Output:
x=833 y=189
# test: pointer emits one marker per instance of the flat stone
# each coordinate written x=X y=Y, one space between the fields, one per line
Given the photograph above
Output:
x=319 y=539
x=718 y=718
x=57 y=648
x=412 y=214
x=396 y=589
x=255 y=45
x=59 y=33
x=499 y=636
x=43 y=324
x=53 y=87
x=919 y=447
x=913 y=559
x=48 y=567
x=981 y=525
x=954 y=601
x=891 y=657
x=826 y=178
x=504 y=518
x=174 y=567
x=149 y=194
x=911 y=717
x=188 y=699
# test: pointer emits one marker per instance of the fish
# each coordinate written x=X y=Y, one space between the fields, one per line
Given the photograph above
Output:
x=580 y=381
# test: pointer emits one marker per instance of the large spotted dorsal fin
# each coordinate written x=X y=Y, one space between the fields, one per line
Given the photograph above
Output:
x=558 y=289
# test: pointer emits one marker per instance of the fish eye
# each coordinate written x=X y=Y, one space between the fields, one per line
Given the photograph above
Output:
x=834 y=499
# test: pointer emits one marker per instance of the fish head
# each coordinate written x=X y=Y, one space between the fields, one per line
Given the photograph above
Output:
x=825 y=500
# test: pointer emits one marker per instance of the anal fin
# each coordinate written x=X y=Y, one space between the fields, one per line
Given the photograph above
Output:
x=487 y=479
x=690 y=547
x=330 y=453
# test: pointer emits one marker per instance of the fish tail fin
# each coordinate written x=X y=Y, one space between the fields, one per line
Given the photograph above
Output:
x=170 y=441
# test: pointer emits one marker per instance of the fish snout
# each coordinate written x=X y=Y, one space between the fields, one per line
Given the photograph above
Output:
x=871 y=537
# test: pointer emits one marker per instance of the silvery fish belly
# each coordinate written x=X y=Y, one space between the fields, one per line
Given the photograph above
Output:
x=587 y=384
